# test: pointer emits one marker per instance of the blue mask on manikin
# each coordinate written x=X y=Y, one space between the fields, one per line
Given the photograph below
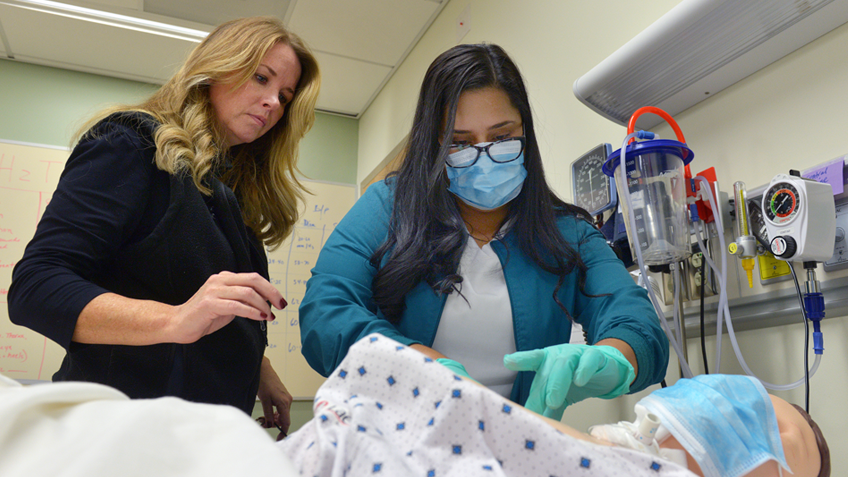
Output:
x=726 y=422
x=487 y=184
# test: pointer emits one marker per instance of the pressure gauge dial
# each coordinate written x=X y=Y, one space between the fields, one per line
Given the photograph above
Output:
x=781 y=203
x=593 y=190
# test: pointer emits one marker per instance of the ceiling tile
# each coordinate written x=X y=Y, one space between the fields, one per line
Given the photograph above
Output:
x=215 y=12
x=347 y=85
x=102 y=48
x=358 y=43
x=3 y=51
x=130 y=4
x=379 y=31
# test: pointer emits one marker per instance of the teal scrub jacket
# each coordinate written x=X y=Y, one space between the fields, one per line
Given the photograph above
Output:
x=337 y=309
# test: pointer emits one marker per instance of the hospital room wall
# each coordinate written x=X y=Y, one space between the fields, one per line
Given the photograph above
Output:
x=788 y=115
x=45 y=105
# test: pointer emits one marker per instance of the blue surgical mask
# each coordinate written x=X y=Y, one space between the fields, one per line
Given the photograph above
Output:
x=726 y=422
x=487 y=184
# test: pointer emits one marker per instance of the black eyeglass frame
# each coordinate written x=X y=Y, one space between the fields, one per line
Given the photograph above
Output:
x=485 y=149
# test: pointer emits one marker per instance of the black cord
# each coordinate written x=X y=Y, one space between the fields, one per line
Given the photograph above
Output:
x=806 y=328
x=806 y=341
x=703 y=286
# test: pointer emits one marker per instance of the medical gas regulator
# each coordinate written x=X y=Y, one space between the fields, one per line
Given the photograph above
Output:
x=800 y=216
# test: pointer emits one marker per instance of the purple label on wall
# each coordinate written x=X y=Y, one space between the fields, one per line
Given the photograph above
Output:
x=828 y=173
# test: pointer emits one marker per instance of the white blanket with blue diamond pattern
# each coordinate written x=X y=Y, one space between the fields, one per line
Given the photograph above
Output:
x=389 y=410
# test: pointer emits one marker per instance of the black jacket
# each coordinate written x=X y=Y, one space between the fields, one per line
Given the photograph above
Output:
x=118 y=224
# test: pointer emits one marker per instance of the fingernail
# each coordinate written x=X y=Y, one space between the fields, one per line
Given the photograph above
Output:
x=283 y=303
x=263 y=316
x=273 y=317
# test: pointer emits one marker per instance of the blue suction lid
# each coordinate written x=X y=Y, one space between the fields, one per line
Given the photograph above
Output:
x=662 y=146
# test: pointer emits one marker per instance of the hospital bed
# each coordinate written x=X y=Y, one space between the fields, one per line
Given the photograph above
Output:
x=387 y=410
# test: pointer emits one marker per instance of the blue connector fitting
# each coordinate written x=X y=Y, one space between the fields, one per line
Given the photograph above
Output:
x=818 y=342
x=814 y=304
x=693 y=212
x=645 y=135
x=693 y=207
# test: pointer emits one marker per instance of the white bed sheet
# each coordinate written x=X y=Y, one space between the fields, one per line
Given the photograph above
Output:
x=90 y=430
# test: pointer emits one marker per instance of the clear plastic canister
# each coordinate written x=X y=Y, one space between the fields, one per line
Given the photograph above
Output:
x=655 y=179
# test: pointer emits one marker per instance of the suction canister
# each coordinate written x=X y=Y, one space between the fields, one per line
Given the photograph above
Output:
x=655 y=178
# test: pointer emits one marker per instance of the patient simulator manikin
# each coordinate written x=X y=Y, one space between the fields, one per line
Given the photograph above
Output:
x=723 y=425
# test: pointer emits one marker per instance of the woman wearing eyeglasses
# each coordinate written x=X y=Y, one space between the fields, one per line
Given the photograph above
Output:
x=468 y=256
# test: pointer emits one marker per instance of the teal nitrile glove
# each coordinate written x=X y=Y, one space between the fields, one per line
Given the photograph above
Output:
x=457 y=368
x=569 y=373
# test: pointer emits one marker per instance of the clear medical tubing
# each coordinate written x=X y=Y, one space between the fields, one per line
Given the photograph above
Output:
x=724 y=309
x=675 y=314
x=684 y=366
x=722 y=295
x=722 y=274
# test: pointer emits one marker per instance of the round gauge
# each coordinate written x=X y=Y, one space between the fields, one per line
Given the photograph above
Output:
x=757 y=224
x=593 y=190
x=781 y=203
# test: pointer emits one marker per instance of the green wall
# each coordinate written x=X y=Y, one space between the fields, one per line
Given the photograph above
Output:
x=329 y=150
x=44 y=105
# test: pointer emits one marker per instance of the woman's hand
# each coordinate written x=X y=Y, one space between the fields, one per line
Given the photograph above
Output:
x=223 y=297
x=275 y=398
x=113 y=319
x=569 y=373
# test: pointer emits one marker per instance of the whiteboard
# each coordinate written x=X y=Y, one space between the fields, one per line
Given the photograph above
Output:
x=29 y=175
x=289 y=268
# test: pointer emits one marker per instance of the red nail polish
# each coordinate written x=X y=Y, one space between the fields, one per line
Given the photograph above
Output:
x=263 y=316
x=283 y=303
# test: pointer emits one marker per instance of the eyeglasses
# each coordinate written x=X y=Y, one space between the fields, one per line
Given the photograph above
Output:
x=466 y=155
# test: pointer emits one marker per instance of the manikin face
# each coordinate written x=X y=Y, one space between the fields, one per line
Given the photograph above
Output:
x=249 y=111
x=799 y=441
x=799 y=445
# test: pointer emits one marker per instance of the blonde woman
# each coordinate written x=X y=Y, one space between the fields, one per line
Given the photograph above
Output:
x=148 y=265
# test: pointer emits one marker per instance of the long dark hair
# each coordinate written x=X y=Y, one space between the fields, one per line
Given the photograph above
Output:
x=426 y=234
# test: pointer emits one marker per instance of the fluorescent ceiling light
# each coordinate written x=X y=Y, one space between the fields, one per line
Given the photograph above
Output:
x=110 y=19
x=699 y=48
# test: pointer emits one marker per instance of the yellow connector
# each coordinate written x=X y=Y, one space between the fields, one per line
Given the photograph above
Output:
x=748 y=265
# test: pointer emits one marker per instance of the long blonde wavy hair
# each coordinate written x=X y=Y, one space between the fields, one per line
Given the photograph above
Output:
x=190 y=140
